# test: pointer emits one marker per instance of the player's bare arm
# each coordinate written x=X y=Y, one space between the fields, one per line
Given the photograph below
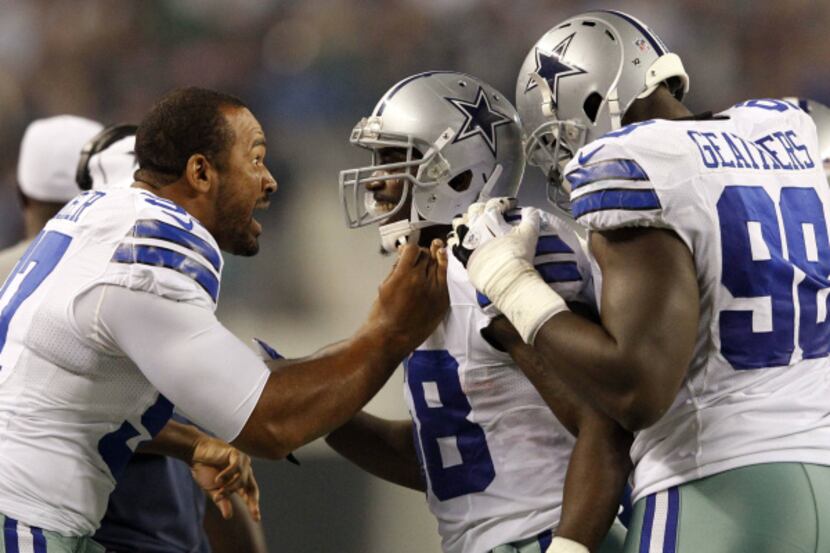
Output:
x=240 y=533
x=632 y=364
x=599 y=464
x=381 y=447
x=629 y=366
x=310 y=398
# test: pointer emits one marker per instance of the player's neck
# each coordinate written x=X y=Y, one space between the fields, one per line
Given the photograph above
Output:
x=183 y=195
x=658 y=105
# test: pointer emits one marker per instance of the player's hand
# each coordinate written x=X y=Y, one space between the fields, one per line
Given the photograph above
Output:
x=414 y=298
x=501 y=268
x=494 y=245
x=478 y=225
x=221 y=470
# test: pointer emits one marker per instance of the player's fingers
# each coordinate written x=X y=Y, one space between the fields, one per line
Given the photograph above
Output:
x=252 y=499
x=223 y=504
x=233 y=483
x=231 y=468
x=434 y=247
x=531 y=221
x=439 y=253
x=408 y=256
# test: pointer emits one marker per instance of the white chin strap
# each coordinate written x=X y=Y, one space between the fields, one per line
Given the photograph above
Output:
x=396 y=234
x=400 y=233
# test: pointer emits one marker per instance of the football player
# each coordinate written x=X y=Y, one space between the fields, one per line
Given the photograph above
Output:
x=711 y=238
x=156 y=506
x=49 y=152
x=108 y=321
x=493 y=457
x=821 y=117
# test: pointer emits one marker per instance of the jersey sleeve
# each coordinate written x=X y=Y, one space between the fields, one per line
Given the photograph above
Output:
x=627 y=178
x=167 y=253
x=208 y=374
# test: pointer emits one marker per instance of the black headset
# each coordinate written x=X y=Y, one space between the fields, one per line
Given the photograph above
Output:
x=98 y=143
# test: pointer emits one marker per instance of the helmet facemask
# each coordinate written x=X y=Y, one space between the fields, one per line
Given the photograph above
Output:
x=454 y=140
x=544 y=149
x=416 y=171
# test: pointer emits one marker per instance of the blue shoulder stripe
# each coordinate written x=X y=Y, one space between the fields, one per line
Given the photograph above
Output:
x=615 y=198
x=551 y=244
x=559 y=271
x=153 y=228
x=162 y=257
x=612 y=169
x=483 y=301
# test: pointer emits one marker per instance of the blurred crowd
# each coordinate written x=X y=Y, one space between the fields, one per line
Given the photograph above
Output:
x=311 y=68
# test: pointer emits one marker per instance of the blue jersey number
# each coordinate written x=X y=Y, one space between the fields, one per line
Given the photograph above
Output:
x=755 y=266
x=113 y=447
x=443 y=419
x=45 y=251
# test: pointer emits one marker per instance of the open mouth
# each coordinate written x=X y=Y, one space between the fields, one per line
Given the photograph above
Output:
x=262 y=205
x=384 y=206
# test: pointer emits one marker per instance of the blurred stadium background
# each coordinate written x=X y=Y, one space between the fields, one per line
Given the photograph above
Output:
x=309 y=70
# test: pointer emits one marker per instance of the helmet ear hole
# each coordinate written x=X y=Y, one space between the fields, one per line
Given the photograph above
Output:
x=461 y=181
x=591 y=106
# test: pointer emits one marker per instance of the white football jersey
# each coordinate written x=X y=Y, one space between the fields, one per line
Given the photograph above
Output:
x=71 y=410
x=746 y=193
x=493 y=454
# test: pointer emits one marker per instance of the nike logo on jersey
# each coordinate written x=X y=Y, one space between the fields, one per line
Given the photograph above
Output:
x=186 y=224
x=167 y=206
x=585 y=158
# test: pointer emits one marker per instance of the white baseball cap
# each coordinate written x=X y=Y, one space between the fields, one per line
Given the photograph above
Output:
x=49 y=154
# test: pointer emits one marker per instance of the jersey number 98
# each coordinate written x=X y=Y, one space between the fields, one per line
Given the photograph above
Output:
x=780 y=277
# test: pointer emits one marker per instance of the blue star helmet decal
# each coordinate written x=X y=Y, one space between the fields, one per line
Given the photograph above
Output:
x=480 y=120
x=551 y=68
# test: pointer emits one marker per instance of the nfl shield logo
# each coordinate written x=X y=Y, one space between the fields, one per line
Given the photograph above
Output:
x=642 y=44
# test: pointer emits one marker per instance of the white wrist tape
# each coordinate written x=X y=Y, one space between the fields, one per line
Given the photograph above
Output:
x=501 y=269
x=564 y=545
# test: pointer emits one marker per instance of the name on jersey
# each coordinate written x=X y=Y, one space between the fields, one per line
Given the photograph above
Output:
x=73 y=210
x=777 y=151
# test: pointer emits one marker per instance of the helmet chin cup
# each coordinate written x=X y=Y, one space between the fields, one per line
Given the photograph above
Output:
x=396 y=234
x=401 y=232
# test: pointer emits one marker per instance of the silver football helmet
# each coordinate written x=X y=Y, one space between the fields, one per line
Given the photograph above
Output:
x=460 y=141
x=821 y=117
x=579 y=79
